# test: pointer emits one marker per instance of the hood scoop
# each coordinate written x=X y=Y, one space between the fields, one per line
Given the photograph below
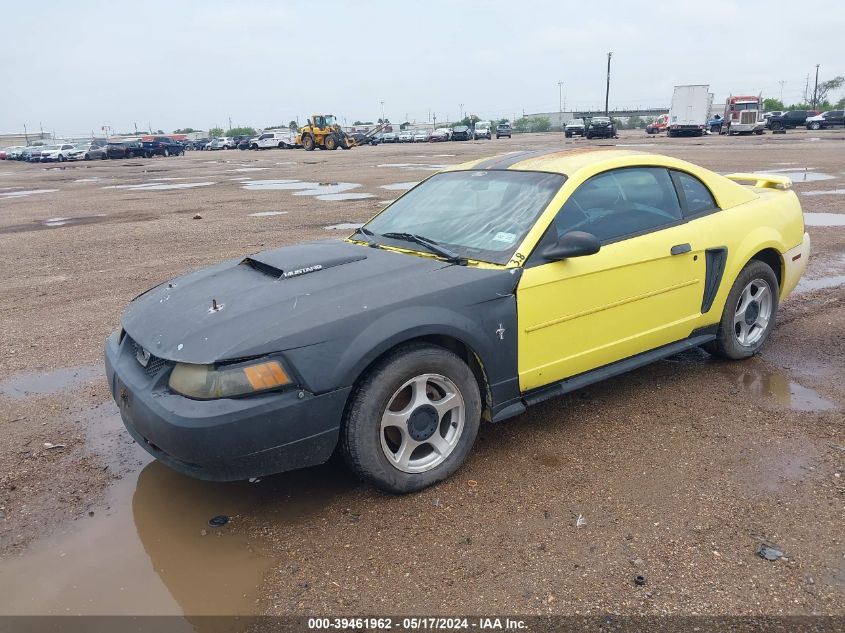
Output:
x=293 y=261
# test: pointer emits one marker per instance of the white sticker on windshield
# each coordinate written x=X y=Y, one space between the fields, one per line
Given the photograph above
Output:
x=507 y=238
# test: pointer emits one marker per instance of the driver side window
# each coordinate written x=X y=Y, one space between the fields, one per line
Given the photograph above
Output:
x=621 y=203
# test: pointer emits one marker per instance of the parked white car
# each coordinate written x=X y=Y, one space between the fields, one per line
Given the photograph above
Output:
x=406 y=136
x=269 y=140
x=88 y=151
x=223 y=142
x=58 y=153
x=482 y=130
x=422 y=136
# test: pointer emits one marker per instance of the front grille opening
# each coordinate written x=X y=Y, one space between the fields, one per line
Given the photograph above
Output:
x=154 y=364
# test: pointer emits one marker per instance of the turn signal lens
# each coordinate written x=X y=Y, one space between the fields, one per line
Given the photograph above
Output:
x=205 y=382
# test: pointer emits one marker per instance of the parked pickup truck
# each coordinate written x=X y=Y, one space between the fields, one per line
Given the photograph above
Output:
x=268 y=140
x=163 y=146
x=789 y=119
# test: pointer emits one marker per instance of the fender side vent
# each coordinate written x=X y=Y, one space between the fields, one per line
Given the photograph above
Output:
x=714 y=259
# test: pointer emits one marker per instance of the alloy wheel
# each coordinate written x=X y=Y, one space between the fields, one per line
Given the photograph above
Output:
x=753 y=312
x=422 y=423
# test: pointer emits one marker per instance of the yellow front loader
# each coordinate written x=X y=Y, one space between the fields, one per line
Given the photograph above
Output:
x=323 y=131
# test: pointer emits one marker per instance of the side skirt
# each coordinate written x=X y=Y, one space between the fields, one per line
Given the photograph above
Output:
x=535 y=396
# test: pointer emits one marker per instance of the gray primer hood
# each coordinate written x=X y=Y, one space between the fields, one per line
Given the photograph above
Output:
x=316 y=293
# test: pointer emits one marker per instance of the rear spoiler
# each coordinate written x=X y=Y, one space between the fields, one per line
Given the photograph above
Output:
x=766 y=181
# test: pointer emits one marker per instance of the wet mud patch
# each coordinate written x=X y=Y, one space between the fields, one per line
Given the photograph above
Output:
x=54 y=223
x=151 y=547
x=799 y=174
x=330 y=191
x=23 y=194
x=824 y=219
x=401 y=186
x=44 y=383
x=160 y=186
x=344 y=226
x=415 y=166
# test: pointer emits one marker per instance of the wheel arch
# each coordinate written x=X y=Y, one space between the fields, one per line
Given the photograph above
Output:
x=774 y=259
x=448 y=341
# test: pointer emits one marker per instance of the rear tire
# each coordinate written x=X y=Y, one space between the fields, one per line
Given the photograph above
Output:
x=749 y=314
x=412 y=420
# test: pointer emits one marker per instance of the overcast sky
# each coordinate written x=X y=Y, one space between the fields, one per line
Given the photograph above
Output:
x=76 y=65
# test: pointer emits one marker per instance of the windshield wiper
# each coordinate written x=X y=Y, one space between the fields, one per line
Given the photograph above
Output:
x=431 y=245
x=368 y=236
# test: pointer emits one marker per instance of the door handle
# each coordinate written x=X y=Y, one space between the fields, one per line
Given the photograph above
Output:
x=680 y=249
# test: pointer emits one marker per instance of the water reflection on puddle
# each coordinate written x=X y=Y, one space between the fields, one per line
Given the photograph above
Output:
x=824 y=219
x=42 y=383
x=401 y=186
x=320 y=190
x=415 y=166
x=344 y=226
x=762 y=383
x=264 y=214
x=150 y=551
x=158 y=186
x=799 y=174
x=827 y=192
x=22 y=194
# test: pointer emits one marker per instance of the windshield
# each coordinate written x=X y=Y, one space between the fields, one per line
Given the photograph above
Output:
x=482 y=215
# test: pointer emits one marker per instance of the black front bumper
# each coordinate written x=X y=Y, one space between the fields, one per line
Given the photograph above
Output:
x=226 y=439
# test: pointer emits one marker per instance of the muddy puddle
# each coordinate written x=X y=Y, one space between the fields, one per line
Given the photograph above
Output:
x=344 y=226
x=23 y=194
x=54 y=223
x=242 y=169
x=799 y=174
x=415 y=166
x=764 y=384
x=332 y=191
x=822 y=283
x=827 y=192
x=401 y=186
x=824 y=219
x=149 y=549
x=44 y=383
x=156 y=185
x=265 y=214
x=758 y=381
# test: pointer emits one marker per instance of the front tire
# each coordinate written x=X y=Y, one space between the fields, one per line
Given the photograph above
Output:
x=749 y=314
x=308 y=143
x=412 y=420
x=815 y=125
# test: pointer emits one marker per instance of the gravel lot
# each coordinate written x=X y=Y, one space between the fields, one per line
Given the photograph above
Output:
x=677 y=471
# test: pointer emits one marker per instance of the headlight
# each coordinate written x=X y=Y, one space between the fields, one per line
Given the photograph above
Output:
x=206 y=382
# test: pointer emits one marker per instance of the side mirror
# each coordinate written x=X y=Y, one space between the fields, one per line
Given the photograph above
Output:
x=572 y=244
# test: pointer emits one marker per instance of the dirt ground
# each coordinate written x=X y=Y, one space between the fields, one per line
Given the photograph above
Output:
x=677 y=471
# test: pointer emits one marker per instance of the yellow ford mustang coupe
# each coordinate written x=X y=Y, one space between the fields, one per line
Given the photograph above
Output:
x=483 y=290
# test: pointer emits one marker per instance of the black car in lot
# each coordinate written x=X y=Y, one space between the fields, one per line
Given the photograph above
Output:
x=503 y=129
x=162 y=146
x=198 y=144
x=601 y=127
x=124 y=149
x=825 y=120
x=238 y=139
x=789 y=119
x=461 y=133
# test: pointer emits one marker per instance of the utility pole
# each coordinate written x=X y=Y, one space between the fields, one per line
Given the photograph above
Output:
x=816 y=88
x=807 y=89
x=560 y=102
x=136 y=129
x=25 y=134
x=382 y=111
x=607 y=92
x=230 y=123
x=462 y=112
x=781 y=82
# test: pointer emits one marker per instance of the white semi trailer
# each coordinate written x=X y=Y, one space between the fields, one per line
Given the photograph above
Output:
x=690 y=110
